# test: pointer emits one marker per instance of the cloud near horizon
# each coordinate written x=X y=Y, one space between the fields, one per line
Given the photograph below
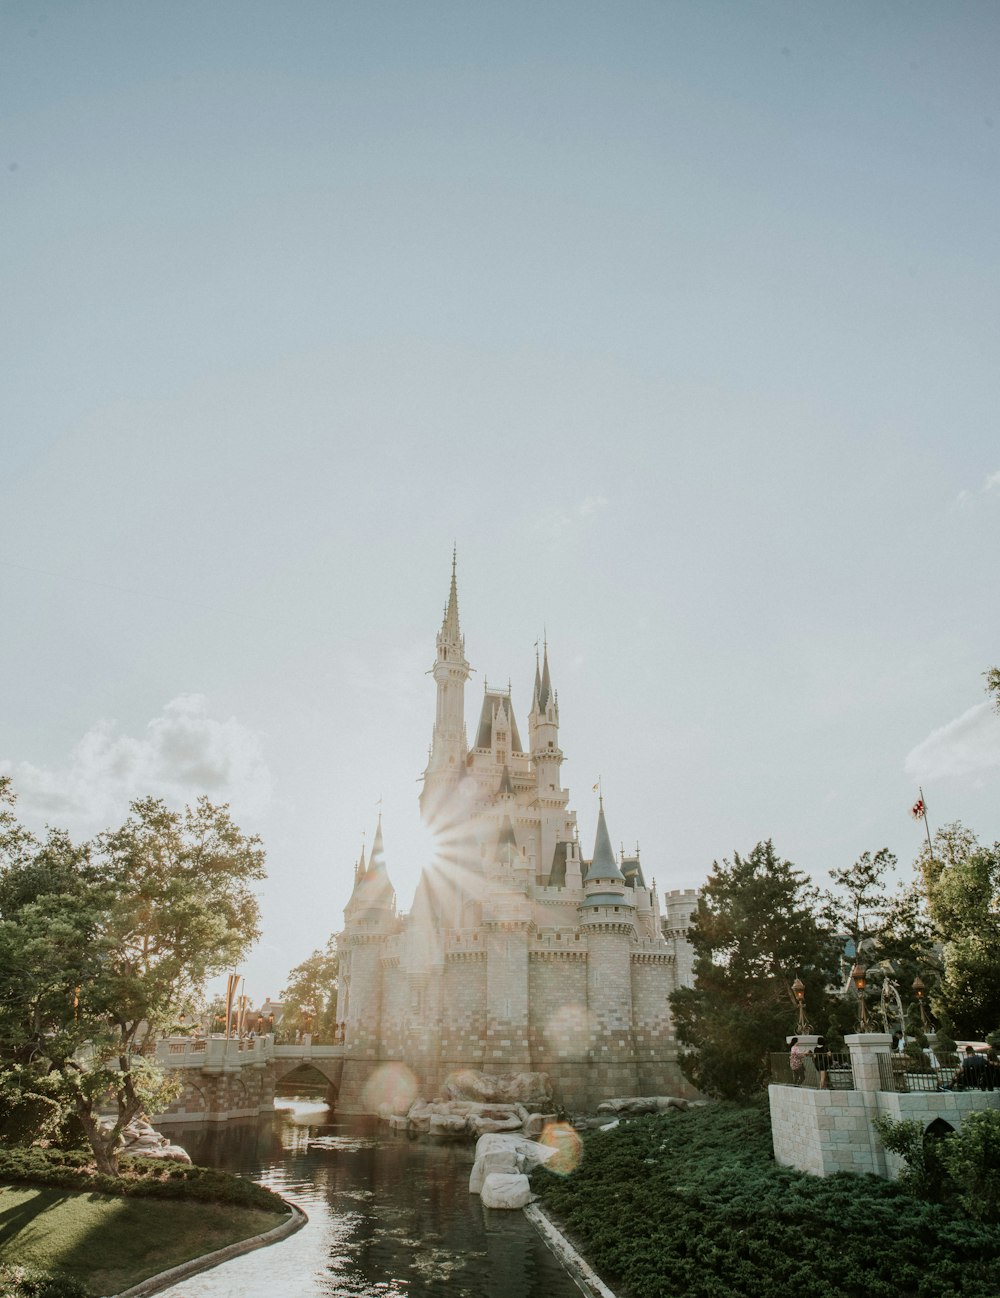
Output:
x=184 y=753
x=969 y=745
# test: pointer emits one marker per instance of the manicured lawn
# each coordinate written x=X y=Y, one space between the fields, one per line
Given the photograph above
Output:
x=110 y=1243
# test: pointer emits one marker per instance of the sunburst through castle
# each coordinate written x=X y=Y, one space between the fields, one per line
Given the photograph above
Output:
x=519 y=954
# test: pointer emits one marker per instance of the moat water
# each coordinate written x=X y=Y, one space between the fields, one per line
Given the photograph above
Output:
x=389 y=1216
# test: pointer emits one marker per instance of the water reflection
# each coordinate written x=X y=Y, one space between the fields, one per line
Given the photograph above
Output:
x=388 y=1216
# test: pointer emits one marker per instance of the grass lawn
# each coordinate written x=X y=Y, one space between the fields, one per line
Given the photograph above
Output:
x=110 y=1243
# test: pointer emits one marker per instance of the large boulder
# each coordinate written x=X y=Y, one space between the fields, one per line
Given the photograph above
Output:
x=506 y=1153
x=506 y=1190
x=448 y=1124
x=480 y=1126
x=636 y=1106
x=533 y=1090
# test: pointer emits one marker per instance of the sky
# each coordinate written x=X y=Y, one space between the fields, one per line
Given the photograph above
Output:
x=679 y=320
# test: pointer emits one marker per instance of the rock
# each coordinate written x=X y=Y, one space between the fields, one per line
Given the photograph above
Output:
x=636 y=1106
x=399 y=1122
x=499 y=1160
x=447 y=1124
x=536 y=1124
x=508 y=1155
x=480 y=1125
x=533 y=1090
x=506 y=1190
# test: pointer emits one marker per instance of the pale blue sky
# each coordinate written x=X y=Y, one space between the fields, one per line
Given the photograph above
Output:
x=680 y=318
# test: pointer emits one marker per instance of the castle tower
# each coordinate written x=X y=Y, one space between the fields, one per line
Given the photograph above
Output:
x=607 y=914
x=370 y=921
x=449 y=747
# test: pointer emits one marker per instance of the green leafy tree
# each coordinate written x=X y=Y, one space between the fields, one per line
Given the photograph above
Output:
x=100 y=945
x=961 y=879
x=757 y=927
x=993 y=685
x=312 y=986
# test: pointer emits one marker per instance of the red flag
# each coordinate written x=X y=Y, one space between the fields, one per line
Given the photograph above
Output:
x=918 y=809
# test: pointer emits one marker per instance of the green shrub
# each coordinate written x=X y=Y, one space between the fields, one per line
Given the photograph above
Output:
x=139 y=1178
x=26 y=1282
x=694 y=1203
x=972 y=1159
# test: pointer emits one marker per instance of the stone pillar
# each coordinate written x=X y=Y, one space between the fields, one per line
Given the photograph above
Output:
x=865 y=1047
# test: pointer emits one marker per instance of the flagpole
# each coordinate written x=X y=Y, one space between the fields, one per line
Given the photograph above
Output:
x=927 y=828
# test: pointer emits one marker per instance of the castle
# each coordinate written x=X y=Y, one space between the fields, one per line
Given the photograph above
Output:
x=519 y=954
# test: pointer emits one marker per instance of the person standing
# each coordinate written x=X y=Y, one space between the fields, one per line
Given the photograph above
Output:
x=797 y=1062
x=822 y=1060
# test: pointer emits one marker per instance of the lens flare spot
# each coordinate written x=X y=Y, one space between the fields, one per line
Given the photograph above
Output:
x=391 y=1088
x=568 y=1023
x=561 y=1137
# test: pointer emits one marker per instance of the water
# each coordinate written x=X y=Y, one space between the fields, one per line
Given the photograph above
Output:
x=389 y=1216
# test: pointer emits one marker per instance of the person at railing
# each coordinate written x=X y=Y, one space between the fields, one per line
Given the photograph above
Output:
x=797 y=1062
x=821 y=1061
x=973 y=1074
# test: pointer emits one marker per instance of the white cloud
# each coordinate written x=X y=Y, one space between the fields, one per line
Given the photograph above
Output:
x=183 y=753
x=991 y=487
x=968 y=745
x=557 y=524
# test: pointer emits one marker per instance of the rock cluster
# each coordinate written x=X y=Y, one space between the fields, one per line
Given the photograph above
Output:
x=140 y=1139
x=638 y=1105
x=463 y=1118
x=500 y=1172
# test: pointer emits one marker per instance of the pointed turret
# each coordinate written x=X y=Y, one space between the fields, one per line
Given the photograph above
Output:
x=603 y=865
x=446 y=762
x=506 y=789
x=450 y=630
x=359 y=869
x=545 y=689
x=374 y=897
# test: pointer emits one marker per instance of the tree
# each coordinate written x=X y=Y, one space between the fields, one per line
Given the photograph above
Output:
x=100 y=943
x=961 y=879
x=755 y=930
x=313 y=983
x=993 y=685
x=858 y=909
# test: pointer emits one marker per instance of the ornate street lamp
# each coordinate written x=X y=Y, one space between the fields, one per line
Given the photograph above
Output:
x=859 y=974
x=921 y=992
x=799 y=992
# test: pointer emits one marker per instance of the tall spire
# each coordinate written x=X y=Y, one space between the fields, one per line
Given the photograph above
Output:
x=545 y=692
x=450 y=630
x=446 y=761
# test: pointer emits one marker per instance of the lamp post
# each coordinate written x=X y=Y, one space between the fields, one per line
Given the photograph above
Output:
x=921 y=992
x=858 y=974
x=799 y=992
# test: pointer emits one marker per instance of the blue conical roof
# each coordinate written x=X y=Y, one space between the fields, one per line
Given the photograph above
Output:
x=603 y=866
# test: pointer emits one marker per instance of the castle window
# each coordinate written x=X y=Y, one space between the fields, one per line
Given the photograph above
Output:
x=551 y=744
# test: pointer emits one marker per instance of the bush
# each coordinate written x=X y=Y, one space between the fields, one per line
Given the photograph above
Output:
x=139 y=1177
x=25 y=1282
x=694 y=1203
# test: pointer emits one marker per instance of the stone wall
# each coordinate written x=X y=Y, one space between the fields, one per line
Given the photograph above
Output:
x=824 y=1132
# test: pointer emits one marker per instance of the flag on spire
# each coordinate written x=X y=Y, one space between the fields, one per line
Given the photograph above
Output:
x=918 y=809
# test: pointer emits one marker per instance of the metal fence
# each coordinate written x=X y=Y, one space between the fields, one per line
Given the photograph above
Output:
x=932 y=1073
x=839 y=1076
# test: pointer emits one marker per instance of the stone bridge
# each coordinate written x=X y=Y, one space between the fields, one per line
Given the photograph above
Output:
x=223 y=1078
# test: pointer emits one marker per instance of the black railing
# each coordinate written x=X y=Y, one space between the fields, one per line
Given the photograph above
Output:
x=935 y=1072
x=839 y=1075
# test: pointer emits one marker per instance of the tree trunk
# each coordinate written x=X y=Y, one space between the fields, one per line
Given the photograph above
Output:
x=103 y=1142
